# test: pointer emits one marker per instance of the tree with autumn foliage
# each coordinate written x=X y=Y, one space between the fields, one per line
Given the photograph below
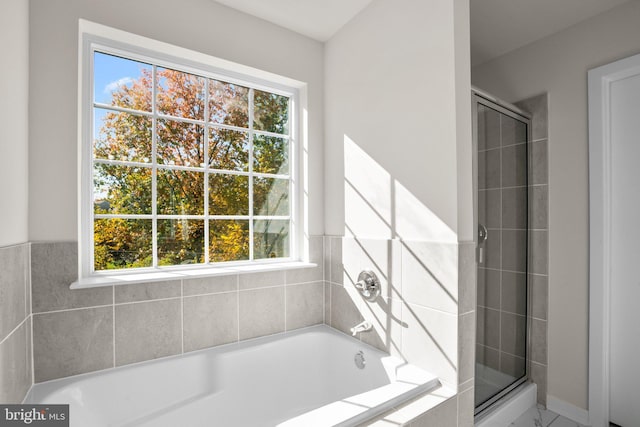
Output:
x=182 y=146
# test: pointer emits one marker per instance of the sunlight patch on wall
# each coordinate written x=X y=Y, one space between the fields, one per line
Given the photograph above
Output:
x=377 y=205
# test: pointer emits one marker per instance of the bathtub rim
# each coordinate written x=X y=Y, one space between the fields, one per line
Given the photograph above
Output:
x=238 y=344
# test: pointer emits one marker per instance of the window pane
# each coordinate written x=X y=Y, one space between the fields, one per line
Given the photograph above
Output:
x=228 y=240
x=180 y=94
x=180 y=241
x=121 y=136
x=270 y=112
x=228 y=149
x=228 y=194
x=270 y=239
x=228 y=104
x=180 y=143
x=121 y=82
x=270 y=155
x=270 y=196
x=180 y=192
x=122 y=243
x=121 y=189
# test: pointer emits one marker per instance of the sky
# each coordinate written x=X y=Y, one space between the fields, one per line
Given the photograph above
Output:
x=110 y=71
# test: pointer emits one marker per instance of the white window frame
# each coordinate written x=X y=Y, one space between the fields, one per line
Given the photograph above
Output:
x=95 y=37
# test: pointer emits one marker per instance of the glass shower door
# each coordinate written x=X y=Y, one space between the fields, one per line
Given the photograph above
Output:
x=502 y=201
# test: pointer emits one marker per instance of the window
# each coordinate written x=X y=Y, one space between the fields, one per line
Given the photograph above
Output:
x=188 y=167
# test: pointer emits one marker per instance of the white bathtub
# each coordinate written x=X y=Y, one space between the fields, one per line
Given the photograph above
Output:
x=303 y=378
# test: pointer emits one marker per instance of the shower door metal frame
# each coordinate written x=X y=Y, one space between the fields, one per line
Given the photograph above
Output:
x=483 y=98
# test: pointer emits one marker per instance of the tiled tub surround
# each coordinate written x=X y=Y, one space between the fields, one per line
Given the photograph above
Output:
x=261 y=382
x=427 y=300
x=15 y=324
x=79 y=331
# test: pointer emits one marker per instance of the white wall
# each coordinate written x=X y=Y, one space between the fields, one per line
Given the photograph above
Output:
x=391 y=112
x=200 y=25
x=14 y=87
x=558 y=65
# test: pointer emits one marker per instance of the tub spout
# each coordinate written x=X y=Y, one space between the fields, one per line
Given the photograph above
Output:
x=361 y=327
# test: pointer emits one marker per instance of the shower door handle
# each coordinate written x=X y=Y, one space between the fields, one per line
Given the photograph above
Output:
x=483 y=235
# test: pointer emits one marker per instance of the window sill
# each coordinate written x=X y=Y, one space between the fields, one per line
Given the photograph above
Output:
x=162 y=276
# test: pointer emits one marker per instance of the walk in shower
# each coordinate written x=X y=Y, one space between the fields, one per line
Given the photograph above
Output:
x=501 y=133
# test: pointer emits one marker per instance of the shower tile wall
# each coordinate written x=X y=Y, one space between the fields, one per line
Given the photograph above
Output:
x=501 y=280
x=539 y=238
x=502 y=209
x=15 y=324
x=91 y=329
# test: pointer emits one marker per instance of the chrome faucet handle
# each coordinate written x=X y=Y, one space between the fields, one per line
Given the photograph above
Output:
x=368 y=285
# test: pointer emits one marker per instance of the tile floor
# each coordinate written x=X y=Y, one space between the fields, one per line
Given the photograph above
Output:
x=540 y=417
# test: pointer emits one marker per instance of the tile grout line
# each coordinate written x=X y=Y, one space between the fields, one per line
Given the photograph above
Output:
x=330 y=275
x=136 y=302
x=554 y=419
x=501 y=250
x=27 y=277
x=32 y=357
x=14 y=330
x=510 y=312
x=238 y=308
x=324 y=281
x=514 y=271
x=113 y=320
x=285 y=307
x=182 y=315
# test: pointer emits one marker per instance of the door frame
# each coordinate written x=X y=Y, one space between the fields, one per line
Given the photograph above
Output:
x=600 y=80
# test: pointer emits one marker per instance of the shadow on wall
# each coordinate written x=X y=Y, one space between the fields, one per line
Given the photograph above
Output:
x=416 y=315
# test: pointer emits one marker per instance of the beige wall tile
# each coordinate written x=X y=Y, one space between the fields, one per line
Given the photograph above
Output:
x=445 y=414
x=14 y=281
x=466 y=407
x=345 y=313
x=304 y=305
x=513 y=334
x=210 y=320
x=210 y=285
x=430 y=275
x=15 y=365
x=313 y=274
x=467 y=278
x=147 y=291
x=147 y=330
x=466 y=346
x=261 y=280
x=430 y=341
x=261 y=312
x=72 y=342
x=54 y=266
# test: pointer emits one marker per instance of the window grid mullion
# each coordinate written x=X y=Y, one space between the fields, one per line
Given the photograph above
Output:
x=205 y=159
x=190 y=168
x=154 y=167
x=292 y=207
x=195 y=217
x=251 y=108
x=123 y=109
x=205 y=122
